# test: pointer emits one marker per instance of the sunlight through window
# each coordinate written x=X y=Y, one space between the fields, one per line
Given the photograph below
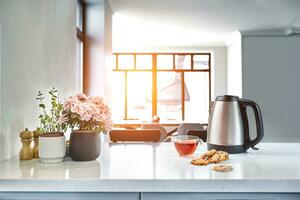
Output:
x=173 y=86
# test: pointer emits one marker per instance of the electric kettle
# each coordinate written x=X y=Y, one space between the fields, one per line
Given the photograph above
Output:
x=228 y=128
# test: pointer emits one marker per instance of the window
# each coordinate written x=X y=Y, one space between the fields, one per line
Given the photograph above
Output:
x=173 y=86
x=80 y=44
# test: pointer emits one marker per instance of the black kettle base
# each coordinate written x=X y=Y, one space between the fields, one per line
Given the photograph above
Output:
x=230 y=149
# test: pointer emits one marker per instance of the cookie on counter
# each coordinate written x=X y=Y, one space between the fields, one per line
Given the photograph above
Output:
x=223 y=168
x=212 y=156
x=199 y=162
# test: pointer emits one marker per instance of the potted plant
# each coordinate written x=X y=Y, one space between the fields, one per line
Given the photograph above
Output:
x=52 y=148
x=87 y=117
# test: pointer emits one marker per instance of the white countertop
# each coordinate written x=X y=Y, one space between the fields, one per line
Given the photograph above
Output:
x=157 y=168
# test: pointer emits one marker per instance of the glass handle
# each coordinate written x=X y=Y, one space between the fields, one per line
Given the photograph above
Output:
x=168 y=139
x=200 y=142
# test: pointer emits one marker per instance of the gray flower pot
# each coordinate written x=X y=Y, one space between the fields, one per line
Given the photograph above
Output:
x=85 y=145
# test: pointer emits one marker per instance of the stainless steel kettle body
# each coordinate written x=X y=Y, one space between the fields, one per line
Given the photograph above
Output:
x=228 y=128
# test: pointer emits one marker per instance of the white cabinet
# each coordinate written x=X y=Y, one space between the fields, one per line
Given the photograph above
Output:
x=68 y=196
x=219 y=196
x=145 y=196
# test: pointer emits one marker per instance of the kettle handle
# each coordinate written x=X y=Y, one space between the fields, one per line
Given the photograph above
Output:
x=258 y=121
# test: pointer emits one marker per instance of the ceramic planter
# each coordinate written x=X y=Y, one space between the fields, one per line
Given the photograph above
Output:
x=52 y=147
x=84 y=145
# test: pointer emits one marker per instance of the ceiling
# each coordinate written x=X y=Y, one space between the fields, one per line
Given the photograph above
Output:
x=196 y=22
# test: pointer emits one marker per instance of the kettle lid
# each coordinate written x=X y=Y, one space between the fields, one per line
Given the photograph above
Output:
x=227 y=98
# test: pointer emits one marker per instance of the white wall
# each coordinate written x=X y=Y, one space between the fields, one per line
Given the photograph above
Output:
x=219 y=75
x=271 y=69
x=1 y=137
x=234 y=65
x=38 y=51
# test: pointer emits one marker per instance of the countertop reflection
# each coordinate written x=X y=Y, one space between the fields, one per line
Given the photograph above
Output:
x=34 y=169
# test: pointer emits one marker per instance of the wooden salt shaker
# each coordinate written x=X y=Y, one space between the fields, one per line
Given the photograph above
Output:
x=26 y=150
x=36 y=135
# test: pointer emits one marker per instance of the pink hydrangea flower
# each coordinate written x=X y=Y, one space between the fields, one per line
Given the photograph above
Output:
x=69 y=102
x=77 y=108
x=91 y=112
x=81 y=97
x=96 y=100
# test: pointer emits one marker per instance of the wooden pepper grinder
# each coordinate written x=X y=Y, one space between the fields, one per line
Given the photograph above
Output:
x=36 y=135
x=26 y=139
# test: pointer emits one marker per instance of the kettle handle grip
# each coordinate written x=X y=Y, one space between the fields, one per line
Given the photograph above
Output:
x=258 y=121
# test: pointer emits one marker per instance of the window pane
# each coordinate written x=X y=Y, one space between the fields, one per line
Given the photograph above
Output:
x=196 y=106
x=79 y=16
x=201 y=61
x=144 y=61
x=183 y=62
x=169 y=96
x=140 y=95
x=126 y=61
x=164 y=61
x=79 y=62
x=118 y=96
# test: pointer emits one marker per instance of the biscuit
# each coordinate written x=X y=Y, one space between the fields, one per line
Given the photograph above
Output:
x=222 y=168
x=199 y=162
x=214 y=158
x=211 y=156
x=208 y=154
x=223 y=156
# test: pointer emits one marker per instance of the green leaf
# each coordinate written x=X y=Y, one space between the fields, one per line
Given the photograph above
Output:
x=49 y=118
x=59 y=108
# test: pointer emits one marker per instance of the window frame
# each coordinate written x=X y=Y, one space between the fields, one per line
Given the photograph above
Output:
x=81 y=36
x=81 y=33
x=154 y=71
